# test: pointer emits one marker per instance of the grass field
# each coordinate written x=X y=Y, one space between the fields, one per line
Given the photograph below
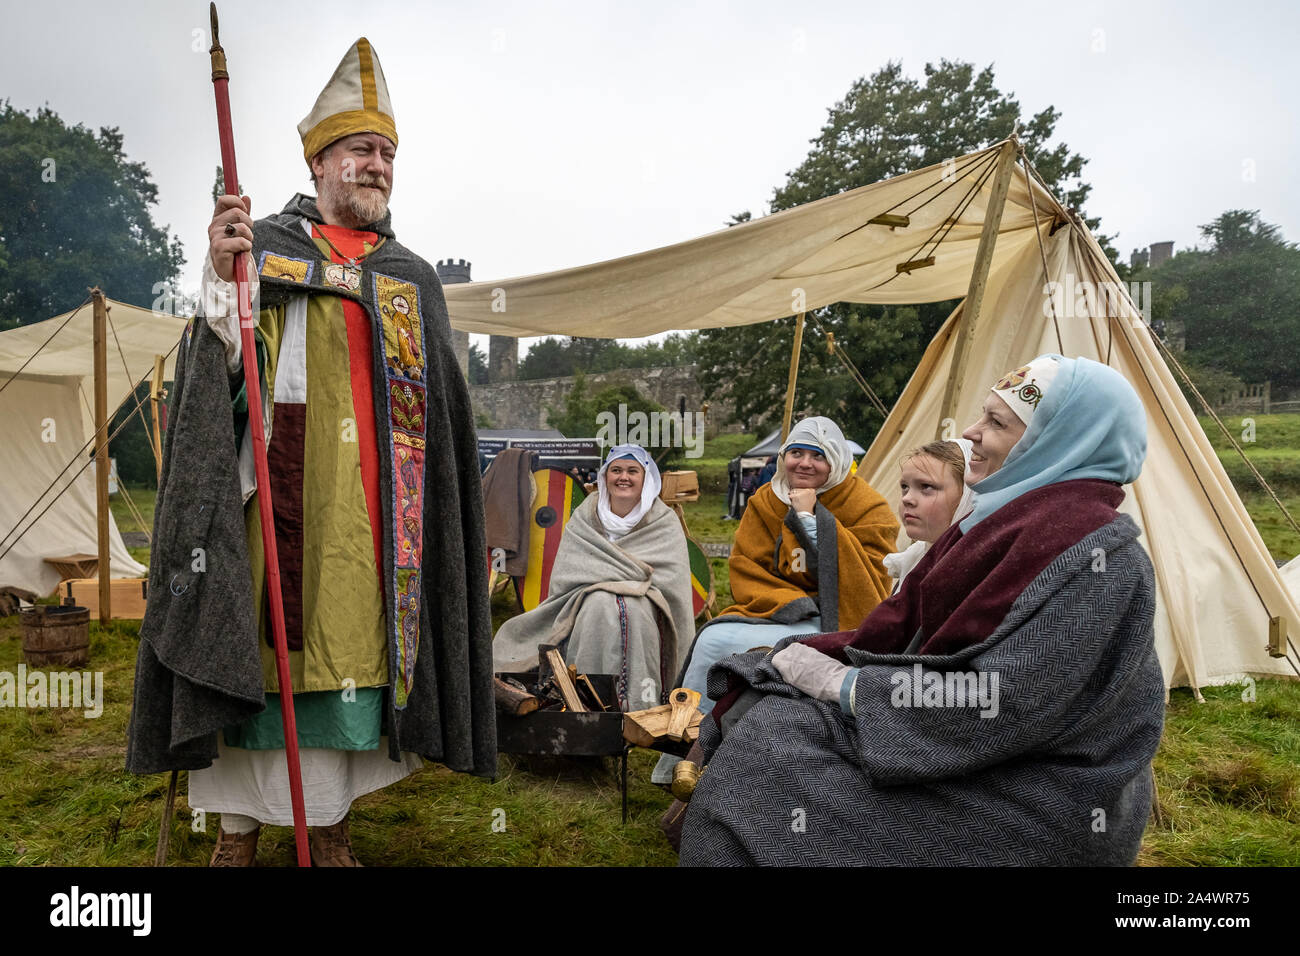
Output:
x=68 y=801
x=1272 y=442
x=1228 y=769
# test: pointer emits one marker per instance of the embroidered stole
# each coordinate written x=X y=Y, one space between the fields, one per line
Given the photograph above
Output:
x=400 y=335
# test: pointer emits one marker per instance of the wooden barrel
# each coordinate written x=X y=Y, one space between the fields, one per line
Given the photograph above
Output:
x=56 y=636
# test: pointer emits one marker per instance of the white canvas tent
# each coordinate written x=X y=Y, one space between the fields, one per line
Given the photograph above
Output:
x=46 y=419
x=1291 y=577
x=1218 y=587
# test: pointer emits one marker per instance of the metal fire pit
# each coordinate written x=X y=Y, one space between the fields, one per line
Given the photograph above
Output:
x=561 y=733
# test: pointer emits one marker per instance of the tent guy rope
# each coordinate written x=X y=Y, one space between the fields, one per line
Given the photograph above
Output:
x=86 y=464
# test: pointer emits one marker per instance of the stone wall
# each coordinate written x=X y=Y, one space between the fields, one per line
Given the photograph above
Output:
x=523 y=404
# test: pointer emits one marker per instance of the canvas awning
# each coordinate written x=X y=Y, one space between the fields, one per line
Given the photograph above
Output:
x=789 y=262
x=772 y=444
x=1217 y=586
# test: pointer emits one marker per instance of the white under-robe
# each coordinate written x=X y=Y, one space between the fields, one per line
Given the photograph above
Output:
x=255 y=783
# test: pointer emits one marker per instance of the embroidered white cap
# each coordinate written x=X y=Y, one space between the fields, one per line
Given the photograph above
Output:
x=1024 y=388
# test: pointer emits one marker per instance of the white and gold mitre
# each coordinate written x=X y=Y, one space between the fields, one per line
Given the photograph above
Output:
x=355 y=100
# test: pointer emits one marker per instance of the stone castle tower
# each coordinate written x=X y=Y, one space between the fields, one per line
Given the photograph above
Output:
x=452 y=271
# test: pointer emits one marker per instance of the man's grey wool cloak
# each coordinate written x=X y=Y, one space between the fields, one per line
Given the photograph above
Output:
x=199 y=666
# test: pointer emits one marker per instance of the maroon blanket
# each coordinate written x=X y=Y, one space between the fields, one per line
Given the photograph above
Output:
x=966 y=583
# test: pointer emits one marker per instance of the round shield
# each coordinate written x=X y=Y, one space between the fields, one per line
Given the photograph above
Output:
x=557 y=495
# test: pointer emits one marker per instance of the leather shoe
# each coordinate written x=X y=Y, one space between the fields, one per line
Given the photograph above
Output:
x=332 y=846
x=235 y=849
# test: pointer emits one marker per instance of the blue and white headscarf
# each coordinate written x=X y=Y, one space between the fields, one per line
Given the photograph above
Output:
x=615 y=527
x=818 y=434
x=1089 y=423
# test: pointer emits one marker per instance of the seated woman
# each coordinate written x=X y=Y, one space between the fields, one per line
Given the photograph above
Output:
x=1003 y=708
x=619 y=600
x=807 y=555
x=934 y=494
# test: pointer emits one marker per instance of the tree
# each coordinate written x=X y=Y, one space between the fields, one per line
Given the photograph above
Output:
x=559 y=357
x=478 y=366
x=74 y=213
x=555 y=357
x=1237 y=299
x=578 y=416
x=133 y=446
x=888 y=124
x=219 y=185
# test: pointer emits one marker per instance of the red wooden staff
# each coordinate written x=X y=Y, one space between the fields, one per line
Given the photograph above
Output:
x=220 y=82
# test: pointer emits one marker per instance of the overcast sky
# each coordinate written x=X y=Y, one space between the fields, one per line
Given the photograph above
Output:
x=536 y=136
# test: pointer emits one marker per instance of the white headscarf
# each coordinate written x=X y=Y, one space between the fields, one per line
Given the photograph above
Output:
x=900 y=563
x=823 y=435
x=615 y=527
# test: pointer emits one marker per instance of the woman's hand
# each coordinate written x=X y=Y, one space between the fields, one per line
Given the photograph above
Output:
x=811 y=671
x=803 y=500
x=231 y=211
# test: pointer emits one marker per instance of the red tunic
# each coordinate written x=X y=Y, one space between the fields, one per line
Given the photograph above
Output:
x=361 y=355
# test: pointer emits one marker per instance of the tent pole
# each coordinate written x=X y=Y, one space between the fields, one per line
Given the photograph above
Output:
x=102 y=463
x=794 y=375
x=978 y=281
x=155 y=396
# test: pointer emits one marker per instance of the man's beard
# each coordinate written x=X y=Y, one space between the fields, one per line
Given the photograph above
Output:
x=363 y=206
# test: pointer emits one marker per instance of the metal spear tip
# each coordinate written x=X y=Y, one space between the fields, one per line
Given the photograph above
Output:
x=218 y=55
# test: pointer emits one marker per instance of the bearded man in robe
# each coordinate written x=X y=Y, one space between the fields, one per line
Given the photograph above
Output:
x=378 y=511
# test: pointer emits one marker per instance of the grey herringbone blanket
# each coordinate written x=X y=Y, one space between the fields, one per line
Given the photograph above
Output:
x=1058 y=773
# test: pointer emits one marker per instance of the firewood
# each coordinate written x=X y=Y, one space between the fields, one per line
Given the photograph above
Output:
x=645 y=728
x=642 y=728
x=513 y=700
x=552 y=657
x=584 y=685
